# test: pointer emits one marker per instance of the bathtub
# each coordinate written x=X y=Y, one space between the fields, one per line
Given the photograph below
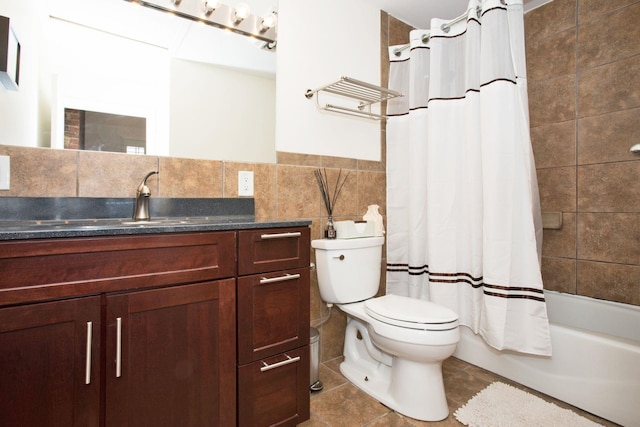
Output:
x=595 y=363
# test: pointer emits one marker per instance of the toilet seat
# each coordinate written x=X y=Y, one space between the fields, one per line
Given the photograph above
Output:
x=411 y=313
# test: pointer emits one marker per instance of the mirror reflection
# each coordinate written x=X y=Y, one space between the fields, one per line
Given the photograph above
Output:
x=201 y=92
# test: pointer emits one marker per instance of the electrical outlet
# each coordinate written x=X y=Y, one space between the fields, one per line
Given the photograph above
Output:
x=245 y=183
x=5 y=172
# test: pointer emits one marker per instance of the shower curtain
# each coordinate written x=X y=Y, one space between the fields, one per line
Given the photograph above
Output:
x=464 y=228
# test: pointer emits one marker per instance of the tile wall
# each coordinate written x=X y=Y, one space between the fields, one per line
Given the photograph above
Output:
x=583 y=65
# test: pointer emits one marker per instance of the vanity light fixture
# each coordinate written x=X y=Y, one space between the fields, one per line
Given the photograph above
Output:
x=237 y=19
x=240 y=13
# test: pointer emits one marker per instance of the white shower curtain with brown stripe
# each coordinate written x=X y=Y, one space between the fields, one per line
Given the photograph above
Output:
x=463 y=214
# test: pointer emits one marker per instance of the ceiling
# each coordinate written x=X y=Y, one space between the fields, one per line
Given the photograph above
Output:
x=418 y=13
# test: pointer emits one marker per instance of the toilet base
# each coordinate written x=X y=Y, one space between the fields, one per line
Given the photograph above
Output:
x=417 y=388
x=417 y=391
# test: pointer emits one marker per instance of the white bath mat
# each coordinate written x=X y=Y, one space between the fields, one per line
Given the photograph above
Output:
x=501 y=405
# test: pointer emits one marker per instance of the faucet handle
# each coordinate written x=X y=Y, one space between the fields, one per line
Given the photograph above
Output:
x=142 y=188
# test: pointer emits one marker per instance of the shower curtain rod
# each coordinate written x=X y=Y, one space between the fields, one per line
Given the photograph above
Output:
x=444 y=27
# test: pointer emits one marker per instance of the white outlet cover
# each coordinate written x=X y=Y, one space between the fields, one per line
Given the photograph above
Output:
x=5 y=172
x=245 y=183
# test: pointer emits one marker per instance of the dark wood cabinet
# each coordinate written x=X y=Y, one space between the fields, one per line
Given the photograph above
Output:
x=50 y=364
x=173 y=329
x=162 y=347
x=273 y=327
x=168 y=356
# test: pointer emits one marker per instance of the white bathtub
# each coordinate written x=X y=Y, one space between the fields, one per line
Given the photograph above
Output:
x=595 y=363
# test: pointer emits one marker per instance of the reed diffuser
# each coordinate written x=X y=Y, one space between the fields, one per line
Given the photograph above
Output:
x=329 y=199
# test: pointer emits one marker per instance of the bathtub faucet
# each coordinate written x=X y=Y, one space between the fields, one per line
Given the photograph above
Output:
x=142 y=199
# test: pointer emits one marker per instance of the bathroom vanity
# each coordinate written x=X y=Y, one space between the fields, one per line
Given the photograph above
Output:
x=194 y=325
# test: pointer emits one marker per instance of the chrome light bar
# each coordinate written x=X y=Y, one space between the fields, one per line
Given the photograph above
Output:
x=221 y=16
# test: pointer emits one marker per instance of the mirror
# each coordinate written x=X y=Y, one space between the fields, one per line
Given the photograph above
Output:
x=202 y=92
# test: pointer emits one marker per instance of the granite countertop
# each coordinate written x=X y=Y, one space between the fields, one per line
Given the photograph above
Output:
x=43 y=217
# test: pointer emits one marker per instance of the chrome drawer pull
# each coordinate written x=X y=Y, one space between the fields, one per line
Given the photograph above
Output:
x=265 y=280
x=280 y=235
x=289 y=360
x=118 y=347
x=87 y=368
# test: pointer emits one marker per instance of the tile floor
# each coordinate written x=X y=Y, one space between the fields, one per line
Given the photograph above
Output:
x=340 y=404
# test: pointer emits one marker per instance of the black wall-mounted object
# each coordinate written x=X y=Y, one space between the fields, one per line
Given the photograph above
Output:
x=9 y=56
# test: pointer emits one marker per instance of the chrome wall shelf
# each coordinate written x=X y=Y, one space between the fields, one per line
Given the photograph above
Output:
x=365 y=94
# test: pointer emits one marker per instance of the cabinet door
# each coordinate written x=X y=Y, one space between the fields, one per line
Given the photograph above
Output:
x=274 y=391
x=49 y=359
x=273 y=313
x=170 y=356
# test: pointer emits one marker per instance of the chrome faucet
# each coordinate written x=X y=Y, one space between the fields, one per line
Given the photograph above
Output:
x=142 y=200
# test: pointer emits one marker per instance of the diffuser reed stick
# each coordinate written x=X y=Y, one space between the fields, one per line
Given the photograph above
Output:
x=329 y=199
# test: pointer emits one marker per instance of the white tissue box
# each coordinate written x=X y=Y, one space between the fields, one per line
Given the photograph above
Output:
x=354 y=229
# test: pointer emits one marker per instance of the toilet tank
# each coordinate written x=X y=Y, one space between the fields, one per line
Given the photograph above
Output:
x=348 y=269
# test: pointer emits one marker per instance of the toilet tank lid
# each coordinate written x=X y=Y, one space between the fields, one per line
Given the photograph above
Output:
x=410 y=310
x=337 y=244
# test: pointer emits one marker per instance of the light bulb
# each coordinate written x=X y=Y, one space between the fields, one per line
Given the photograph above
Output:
x=269 y=21
x=240 y=13
x=210 y=6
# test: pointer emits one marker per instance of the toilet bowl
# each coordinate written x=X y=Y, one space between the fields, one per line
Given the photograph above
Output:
x=394 y=345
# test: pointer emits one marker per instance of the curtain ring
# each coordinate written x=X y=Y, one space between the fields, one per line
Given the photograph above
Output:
x=504 y=2
x=425 y=38
x=445 y=28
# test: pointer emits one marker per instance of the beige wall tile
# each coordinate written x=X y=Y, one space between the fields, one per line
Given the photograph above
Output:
x=372 y=190
x=609 y=237
x=264 y=186
x=608 y=137
x=332 y=335
x=612 y=282
x=346 y=203
x=339 y=163
x=609 y=187
x=554 y=145
x=610 y=87
x=551 y=56
x=593 y=9
x=552 y=101
x=103 y=174
x=398 y=31
x=610 y=38
x=557 y=187
x=554 y=17
x=41 y=172
x=285 y=158
x=559 y=274
x=561 y=243
x=190 y=178
x=298 y=193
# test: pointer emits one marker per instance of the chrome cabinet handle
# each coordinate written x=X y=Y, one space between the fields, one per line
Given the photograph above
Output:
x=265 y=280
x=280 y=235
x=289 y=360
x=118 y=347
x=87 y=367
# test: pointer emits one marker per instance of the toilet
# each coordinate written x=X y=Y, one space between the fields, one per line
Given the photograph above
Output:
x=394 y=345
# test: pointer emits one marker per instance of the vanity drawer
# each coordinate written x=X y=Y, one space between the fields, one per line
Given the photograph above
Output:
x=37 y=270
x=272 y=249
x=273 y=313
x=275 y=391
